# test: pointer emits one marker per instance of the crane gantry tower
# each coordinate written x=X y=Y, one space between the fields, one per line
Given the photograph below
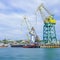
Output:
x=49 y=33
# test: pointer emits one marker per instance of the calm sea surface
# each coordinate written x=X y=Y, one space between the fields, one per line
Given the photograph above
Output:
x=29 y=53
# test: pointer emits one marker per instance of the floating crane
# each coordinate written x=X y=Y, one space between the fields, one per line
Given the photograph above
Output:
x=33 y=35
x=49 y=33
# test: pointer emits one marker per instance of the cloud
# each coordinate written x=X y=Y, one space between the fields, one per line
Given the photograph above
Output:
x=2 y=6
x=12 y=12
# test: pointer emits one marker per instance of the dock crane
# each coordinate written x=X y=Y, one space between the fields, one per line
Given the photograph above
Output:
x=49 y=33
x=33 y=35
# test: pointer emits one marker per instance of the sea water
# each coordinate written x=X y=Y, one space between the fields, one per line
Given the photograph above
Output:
x=29 y=53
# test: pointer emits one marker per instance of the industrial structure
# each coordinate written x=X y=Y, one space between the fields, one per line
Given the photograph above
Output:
x=32 y=32
x=49 y=33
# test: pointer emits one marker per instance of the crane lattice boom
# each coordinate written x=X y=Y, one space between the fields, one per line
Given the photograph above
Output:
x=46 y=15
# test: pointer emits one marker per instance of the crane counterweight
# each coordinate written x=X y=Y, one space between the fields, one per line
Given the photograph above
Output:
x=50 y=19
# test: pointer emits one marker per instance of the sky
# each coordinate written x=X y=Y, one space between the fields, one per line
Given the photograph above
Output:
x=12 y=25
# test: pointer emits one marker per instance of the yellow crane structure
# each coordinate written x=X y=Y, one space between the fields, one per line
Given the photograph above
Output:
x=49 y=33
